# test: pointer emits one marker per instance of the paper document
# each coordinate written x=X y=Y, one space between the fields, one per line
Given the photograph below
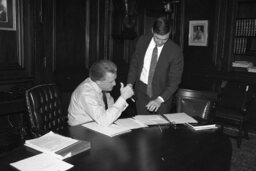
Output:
x=130 y=123
x=60 y=146
x=111 y=130
x=180 y=118
x=41 y=162
x=151 y=119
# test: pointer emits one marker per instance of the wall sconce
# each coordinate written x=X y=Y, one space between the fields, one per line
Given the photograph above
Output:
x=170 y=9
x=169 y=5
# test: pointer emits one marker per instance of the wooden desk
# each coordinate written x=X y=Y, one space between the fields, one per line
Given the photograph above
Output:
x=146 y=149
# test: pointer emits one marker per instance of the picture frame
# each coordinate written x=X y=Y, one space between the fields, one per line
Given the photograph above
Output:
x=7 y=14
x=198 y=33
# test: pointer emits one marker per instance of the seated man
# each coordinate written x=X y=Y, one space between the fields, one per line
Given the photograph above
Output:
x=87 y=102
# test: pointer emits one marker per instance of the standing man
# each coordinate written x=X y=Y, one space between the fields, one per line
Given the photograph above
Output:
x=91 y=100
x=156 y=69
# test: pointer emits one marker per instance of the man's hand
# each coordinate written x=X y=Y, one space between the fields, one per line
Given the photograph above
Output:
x=154 y=105
x=126 y=92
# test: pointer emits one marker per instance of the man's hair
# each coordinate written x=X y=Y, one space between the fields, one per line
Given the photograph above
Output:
x=99 y=69
x=161 y=26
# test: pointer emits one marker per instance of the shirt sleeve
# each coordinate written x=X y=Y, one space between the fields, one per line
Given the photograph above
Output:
x=95 y=108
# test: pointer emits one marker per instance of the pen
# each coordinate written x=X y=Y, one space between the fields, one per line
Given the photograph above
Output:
x=173 y=125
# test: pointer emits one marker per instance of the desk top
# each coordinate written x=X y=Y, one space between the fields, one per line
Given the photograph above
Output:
x=146 y=149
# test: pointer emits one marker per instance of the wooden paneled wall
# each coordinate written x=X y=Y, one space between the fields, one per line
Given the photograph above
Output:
x=58 y=40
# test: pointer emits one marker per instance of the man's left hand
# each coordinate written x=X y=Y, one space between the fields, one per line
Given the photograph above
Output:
x=154 y=105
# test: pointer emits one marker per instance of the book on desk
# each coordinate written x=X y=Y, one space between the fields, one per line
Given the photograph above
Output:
x=198 y=126
x=57 y=145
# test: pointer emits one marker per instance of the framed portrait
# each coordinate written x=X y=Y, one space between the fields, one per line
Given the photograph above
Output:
x=198 y=33
x=7 y=15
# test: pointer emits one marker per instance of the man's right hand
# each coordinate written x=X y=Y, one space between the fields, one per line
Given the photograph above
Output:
x=126 y=92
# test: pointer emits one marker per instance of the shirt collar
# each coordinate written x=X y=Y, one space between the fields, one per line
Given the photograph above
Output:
x=97 y=88
x=153 y=44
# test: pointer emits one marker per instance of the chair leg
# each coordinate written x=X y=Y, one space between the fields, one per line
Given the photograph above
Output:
x=240 y=135
x=246 y=135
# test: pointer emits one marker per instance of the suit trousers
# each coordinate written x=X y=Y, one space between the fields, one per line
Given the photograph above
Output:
x=142 y=100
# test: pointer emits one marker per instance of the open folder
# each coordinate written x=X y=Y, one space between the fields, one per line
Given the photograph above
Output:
x=57 y=145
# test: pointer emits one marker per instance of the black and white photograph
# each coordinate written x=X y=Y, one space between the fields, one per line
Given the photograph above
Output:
x=128 y=85
x=198 y=33
x=7 y=15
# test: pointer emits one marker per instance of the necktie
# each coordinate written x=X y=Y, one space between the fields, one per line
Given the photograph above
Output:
x=151 y=71
x=105 y=99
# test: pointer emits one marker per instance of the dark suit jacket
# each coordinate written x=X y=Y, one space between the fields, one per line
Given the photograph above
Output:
x=168 y=72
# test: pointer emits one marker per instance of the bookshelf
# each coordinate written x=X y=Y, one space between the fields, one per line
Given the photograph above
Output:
x=244 y=37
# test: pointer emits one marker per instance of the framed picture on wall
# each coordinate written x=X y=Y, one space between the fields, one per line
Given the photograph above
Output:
x=7 y=15
x=198 y=33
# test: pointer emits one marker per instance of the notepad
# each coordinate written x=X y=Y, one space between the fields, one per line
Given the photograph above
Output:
x=57 y=145
x=112 y=130
x=130 y=123
x=41 y=162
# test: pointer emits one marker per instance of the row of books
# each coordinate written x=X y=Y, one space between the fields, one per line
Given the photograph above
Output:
x=240 y=45
x=245 y=27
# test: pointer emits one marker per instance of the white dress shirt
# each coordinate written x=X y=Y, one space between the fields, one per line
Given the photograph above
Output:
x=147 y=60
x=87 y=104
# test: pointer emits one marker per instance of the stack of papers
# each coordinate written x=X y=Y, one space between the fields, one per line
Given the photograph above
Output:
x=41 y=162
x=111 y=130
x=57 y=145
x=151 y=119
x=55 y=148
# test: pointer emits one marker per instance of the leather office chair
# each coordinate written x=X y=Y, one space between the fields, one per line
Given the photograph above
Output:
x=45 y=109
x=199 y=104
x=232 y=108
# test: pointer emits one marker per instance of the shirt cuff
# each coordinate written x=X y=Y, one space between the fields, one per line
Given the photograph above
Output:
x=121 y=103
x=160 y=98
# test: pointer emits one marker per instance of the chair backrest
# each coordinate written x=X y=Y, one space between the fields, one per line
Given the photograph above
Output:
x=196 y=103
x=45 y=109
x=234 y=95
